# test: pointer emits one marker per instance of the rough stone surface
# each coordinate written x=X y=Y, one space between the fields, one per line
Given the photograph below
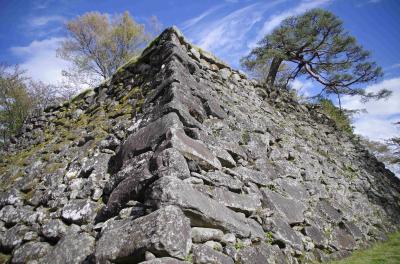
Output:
x=201 y=210
x=238 y=202
x=73 y=248
x=79 y=211
x=171 y=162
x=292 y=209
x=201 y=234
x=147 y=137
x=193 y=149
x=163 y=232
x=203 y=254
x=165 y=260
x=261 y=254
x=316 y=235
x=93 y=179
x=283 y=233
x=31 y=251
x=54 y=229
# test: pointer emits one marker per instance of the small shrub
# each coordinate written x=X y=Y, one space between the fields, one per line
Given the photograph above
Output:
x=269 y=237
x=341 y=119
x=189 y=258
x=239 y=245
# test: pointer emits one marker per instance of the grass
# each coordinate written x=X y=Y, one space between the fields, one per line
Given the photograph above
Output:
x=239 y=245
x=269 y=238
x=4 y=258
x=341 y=119
x=382 y=253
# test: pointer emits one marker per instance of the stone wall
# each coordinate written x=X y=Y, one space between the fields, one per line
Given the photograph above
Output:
x=179 y=158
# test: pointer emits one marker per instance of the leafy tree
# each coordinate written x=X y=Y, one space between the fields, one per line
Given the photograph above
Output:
x=44 y=95
x=260 y=72
x=318 y=47
x=97 y=45
x=15 y=102
x=20 y=96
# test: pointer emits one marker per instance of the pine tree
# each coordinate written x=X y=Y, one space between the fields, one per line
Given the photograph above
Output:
x=319 y=47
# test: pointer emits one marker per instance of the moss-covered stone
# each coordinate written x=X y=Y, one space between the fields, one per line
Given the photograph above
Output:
x=4 y=258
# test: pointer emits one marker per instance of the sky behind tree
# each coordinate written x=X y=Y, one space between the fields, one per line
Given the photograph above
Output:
x=30 y=32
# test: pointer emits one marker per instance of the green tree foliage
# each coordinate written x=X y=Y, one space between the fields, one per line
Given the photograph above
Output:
x=15 y=101
x=97 y=44
x=340 y=117
x=319 y=48
x=20 y=96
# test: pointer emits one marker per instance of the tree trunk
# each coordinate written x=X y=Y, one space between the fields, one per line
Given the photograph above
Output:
x=340 y=102
x=273 y=71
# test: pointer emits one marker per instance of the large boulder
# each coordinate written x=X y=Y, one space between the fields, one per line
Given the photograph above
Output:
x=261 y=253
x=73 y=248
x=31 y=251
x=293 y=210
x=245 y=203
x=80 y=211
x=165 y=260
x=170 y=162
x=203 y=254
x=202 y=210
x=218 y=178
x=147 y=137
x=136 y=177
x=327 y=210
x=165 y=232
x=250 y=175
x=316 y=235
x=13 y=237
x=342 y=239
x=54 y=229
x=202 y=234
x=193 y=149
x=283 y=233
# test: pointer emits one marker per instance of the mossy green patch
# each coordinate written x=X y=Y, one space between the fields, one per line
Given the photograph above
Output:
x=381 y=253
x=4 y=258
x=245 y=137
x=350 y=173
x=339 y=116
x=239 y=245
x=189 y=258
x=53 y=167
x=80 y=96
x=269 y=238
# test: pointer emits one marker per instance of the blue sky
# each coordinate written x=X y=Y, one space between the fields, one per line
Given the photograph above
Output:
x=30 y=32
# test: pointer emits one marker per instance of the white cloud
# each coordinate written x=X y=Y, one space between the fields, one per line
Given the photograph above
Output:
x=303 y=88
x=227 y=35
x=44 y=20
x=394 y=66
x=193 y=21
x=275 y=20
x=375 y=128
x=234 y=34
x=368 y=2
x=377 y=123
x=40 y=59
